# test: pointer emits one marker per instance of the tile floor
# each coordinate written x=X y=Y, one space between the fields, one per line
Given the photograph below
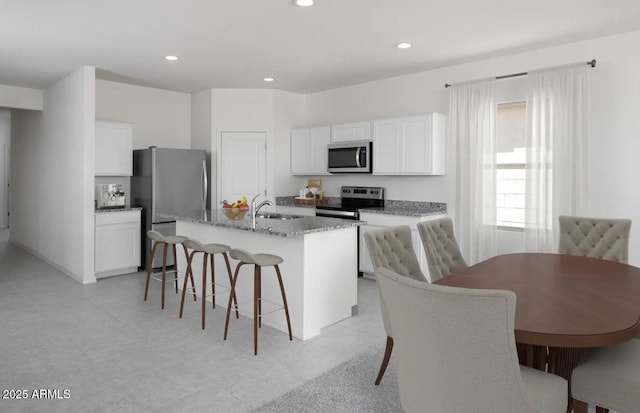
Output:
x=115 y=352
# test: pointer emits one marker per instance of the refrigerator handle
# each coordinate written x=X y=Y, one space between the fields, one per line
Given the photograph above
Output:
x=205 y=184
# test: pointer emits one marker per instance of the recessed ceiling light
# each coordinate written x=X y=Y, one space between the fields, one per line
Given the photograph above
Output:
x=403 y=45
x=172 y=58
x=303 y=3
x=269 y=79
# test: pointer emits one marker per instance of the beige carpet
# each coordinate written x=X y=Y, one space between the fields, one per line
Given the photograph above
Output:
x=347 y=388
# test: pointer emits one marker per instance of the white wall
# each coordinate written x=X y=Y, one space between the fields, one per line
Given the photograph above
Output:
x=614 y=94
x=20 y=97
x=159 y=117
x=289 y=113
x=5 y=148
x=245 y=110
x=252 y=110
x=201 y=124
x=53 y=167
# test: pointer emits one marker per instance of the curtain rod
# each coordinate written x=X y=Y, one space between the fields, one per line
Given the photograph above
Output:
x=591 y=63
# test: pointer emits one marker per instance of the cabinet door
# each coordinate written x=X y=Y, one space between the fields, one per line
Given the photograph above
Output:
x=117 y=246
x=357 y=131
x=409 y=146
x=300 y=151
x=386 y=146
x=117 y=242
x=309 y=151
x=319 y=140
x=113 y=149
x=416 y=152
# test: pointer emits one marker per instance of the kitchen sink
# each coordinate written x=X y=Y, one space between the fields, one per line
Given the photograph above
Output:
x=283 y=217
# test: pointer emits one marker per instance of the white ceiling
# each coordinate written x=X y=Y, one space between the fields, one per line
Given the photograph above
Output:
x=236 y=43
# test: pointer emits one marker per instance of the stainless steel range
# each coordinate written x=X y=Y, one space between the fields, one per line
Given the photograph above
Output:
x=352 y=200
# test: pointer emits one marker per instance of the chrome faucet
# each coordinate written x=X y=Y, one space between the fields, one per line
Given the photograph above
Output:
x=255 y=209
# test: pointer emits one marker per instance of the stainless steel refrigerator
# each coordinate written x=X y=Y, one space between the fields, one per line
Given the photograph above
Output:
x=167 y=180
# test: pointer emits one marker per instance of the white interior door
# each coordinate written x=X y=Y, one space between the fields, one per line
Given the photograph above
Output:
x=242 y=167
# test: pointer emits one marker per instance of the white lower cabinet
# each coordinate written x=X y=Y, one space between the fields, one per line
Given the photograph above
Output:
x=379 y=221
x=117 y=243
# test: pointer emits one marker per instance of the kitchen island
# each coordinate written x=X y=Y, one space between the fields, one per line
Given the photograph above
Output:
x=319 y=270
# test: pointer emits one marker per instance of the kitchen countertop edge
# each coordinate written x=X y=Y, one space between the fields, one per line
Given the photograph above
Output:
x=109 y=210
x=289 y=228
x=392 y=207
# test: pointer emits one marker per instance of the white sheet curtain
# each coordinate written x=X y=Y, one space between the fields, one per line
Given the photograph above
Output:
x=472 y=114
x=556 y=169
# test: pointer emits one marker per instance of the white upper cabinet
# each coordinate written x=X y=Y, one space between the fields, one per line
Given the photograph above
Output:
x=409 y=146
x=114 y=149
x=309 y=151
x=357 y=131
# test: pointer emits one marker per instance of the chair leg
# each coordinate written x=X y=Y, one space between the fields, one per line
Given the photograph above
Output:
x=175 y=267
x=193 y=284
x=284 y=300
x=232 y=294
x=213 y=282
x=226 y=260
x=260 y=297
x=204 y=287
x=579 y=406
x=256 y=311
x=164 y=270
x=385 y=360
x=188 y=274
x=151 y=254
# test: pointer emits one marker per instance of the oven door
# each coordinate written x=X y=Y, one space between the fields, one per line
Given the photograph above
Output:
x=349 y=157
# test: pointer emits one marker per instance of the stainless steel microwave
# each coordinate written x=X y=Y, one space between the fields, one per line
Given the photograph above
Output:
x=349 y=157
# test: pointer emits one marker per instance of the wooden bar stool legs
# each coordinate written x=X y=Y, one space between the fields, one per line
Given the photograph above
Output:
x=258 y=261
x=209 y=251
x=165 y=241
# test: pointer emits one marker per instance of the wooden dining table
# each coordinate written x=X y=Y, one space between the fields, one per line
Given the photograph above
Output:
x=565 y=304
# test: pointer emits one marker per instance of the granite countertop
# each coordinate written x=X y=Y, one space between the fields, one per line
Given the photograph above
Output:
x=282 y=228
x=392 y=207
x=107 y=210
x=409 y=208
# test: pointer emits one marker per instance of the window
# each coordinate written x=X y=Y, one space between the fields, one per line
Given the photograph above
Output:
x=510 y=164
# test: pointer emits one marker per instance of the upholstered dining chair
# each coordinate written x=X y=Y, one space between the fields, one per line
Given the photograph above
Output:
x=456 y=351
x=609 y=377
x=392 y=248
x=441 y=248
x=607 y=239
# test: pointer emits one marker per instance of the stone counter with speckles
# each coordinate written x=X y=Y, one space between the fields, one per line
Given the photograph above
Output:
x=391 y=207
x=299 y=225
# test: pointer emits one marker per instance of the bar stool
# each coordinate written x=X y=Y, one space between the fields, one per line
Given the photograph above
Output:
x=209 y=251
x=165 y=240
x=258 y=261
